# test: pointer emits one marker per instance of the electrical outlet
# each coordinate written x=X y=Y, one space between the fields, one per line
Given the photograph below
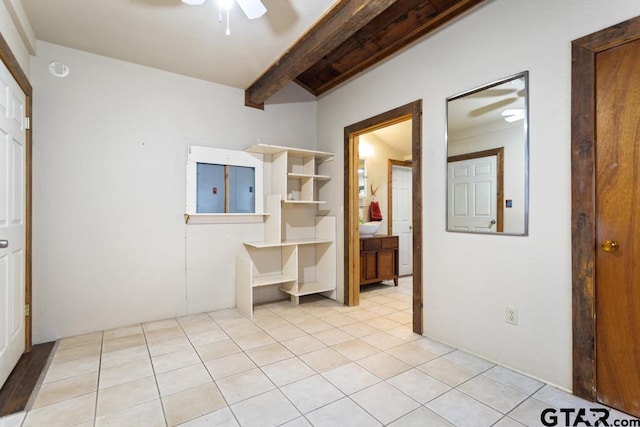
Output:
x=511 y=315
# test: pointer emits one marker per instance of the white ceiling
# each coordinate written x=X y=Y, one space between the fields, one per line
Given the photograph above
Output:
x=171 y=36
x=189 y=40
x=397 y=136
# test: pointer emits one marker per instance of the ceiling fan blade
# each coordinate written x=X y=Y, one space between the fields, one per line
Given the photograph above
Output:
x=252 y=8
x=490 y=107
x=193 y=2
x=493 y=92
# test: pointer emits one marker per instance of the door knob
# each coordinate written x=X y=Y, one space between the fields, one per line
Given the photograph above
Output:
x=4 y=244
x=609 y=246
x=493 y=221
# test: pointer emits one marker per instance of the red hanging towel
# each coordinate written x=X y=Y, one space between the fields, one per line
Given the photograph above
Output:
x=374 y=211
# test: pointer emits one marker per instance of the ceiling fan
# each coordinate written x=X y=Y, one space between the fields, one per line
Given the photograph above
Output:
x=253 y=9
x=509 y=97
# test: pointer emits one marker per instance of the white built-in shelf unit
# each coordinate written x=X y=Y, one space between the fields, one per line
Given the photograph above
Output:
x=294 y=181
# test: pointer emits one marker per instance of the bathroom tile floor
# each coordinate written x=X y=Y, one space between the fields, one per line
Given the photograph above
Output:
x=319 y=363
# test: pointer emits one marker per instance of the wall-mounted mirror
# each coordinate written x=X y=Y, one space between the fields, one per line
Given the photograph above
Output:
x=362 y=187
x=362 y=179
x=488 y=158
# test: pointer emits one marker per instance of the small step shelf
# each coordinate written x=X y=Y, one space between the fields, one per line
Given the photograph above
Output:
x=293 y=273
x=246 y=282
x=272 y=279
x=307 y=289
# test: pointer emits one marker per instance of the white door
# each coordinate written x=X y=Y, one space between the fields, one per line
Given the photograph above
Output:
x=401 y=225
x=12 y=222
x=473 y=195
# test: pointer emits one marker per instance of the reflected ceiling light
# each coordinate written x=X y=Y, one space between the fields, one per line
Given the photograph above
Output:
x=513 y=114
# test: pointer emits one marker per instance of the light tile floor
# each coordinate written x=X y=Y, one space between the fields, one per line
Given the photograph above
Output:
x=319 y=363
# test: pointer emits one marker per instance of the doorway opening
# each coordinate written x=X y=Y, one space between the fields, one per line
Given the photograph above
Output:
x=410 y=112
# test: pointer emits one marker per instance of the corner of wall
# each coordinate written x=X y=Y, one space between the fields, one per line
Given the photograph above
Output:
x=16 y=30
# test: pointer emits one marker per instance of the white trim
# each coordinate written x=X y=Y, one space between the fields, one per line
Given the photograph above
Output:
x=230 y=218
x=199 y=154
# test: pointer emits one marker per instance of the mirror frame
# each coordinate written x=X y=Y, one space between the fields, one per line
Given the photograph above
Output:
x=522 y=75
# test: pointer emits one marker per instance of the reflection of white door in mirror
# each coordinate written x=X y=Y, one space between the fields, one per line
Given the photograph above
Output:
x=472 y=195
x=489 y=118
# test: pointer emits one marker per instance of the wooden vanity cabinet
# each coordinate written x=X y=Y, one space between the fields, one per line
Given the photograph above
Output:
x=378 y=259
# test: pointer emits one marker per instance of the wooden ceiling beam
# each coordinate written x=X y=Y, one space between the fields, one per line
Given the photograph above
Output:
x=357 y=48
x=341 y=22
x=419 y=29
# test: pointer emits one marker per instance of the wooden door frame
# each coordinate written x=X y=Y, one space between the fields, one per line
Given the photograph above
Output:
x=499 y=153
x=390 y=164
x=18 y=74
x=583 y=208
x=412 y=111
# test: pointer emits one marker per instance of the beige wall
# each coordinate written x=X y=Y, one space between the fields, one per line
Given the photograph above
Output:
x=470 y=279
x=110 y=244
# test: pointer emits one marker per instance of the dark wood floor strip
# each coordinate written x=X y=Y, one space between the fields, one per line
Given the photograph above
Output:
x=16 y=391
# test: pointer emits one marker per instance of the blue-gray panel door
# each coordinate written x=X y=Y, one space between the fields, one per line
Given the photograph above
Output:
x=211 y=188
x=242 y=196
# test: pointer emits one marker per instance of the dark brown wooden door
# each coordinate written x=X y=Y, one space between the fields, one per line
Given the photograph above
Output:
x=618 y=227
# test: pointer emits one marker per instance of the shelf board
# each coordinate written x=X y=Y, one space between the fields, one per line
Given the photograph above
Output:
x=321 y=156
x=310 y=288
x=303 y=202
x=312 y=241
x=272 y=279
x=307 y=175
